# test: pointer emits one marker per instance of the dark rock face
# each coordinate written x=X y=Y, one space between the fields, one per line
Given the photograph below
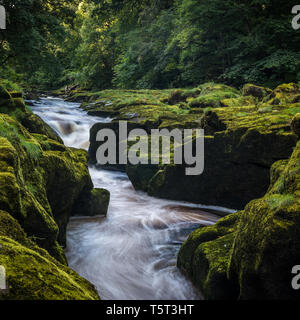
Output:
x=211 y=123
x=296 y=125
x=94 y=144
x=250 y=254
x=256 y=91
x=94 y=203
x=176 y=96
x=236 y=170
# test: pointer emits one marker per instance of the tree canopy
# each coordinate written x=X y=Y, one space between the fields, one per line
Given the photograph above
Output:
x=149 y=43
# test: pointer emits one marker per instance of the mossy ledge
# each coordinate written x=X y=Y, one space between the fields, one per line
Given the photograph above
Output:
x=250 y=254
x=246 y=132
x=42 y=183
x=251 y=152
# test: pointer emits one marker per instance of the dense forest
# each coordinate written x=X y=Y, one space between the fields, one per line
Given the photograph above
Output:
x=152 y=44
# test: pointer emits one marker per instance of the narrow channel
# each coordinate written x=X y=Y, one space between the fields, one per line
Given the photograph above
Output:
x=131 y=254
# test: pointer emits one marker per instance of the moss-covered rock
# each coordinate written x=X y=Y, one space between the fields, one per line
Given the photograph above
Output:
x=211 y=96
x=256 y=91
x=32 y=274
x=41 y=180
x=95 y=203
x=252 y=257
x=205 y=257
x=285 y=93
x=245 y=135
x=32 y=184
x=237 y=169
x=176 y=97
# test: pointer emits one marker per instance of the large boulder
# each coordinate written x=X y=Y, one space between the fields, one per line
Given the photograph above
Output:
x=205 y=257
x=237 y=169
x=256 y=91
x=35 y=172
x=31 y=273
x=285 y=93
x=250 y=255
x=176 y=97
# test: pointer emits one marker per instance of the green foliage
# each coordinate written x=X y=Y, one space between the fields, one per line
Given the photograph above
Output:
x=31 y=48
x=145 y=62
x=10 y=86
x=237 y=41
x=151 y=44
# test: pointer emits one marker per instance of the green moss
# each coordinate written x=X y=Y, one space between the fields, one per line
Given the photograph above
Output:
x=211 y=260
x=31 y=272
x=251 y=258
x=285 y=94
x=36 y=169
x=257 y=92
x=93 y=203
x=33 y=275
x=224 y=226
x=265 y=109
x=242 y=114
x=211 y=95
x=278 y=201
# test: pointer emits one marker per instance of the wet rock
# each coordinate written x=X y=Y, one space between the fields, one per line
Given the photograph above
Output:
x=31 y=96
x=211 y=123
x=256 y=91
x=93 y=203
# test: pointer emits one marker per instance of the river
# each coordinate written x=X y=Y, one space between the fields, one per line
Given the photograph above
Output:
x=131 y=254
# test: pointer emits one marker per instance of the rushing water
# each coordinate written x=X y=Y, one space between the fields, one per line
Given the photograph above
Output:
x=132 y=253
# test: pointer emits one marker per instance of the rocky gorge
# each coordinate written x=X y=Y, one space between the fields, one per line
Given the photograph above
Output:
x=251 y=152
x=245 y=133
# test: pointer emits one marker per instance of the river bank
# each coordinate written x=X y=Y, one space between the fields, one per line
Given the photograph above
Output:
x=42 y=183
